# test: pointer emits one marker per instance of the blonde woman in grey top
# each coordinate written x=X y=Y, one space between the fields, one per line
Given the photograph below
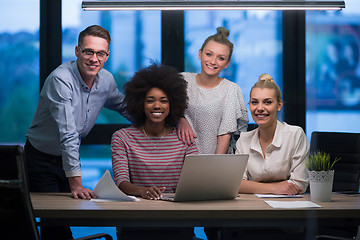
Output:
x=216 y=105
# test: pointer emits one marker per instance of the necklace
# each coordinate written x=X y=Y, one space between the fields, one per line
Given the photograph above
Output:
x=154 y=145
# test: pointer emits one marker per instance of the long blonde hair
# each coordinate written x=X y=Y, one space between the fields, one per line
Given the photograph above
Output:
x=266 y=81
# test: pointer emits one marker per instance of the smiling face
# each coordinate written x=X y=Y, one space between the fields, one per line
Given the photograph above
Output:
x=156 y=106
x=214 y=58
x=264 y=106
x=90 y=65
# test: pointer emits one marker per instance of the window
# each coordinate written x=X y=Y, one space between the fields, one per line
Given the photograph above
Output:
x=333 y=69
x=19 y=67
x=135 y=42
x=257 y=39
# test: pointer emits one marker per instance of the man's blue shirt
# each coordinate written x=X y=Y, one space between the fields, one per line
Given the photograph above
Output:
x=67 y=110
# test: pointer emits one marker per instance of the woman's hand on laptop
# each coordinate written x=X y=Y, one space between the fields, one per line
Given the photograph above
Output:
x=153 y=193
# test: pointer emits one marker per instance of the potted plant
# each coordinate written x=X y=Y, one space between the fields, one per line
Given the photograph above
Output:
x=321 y=176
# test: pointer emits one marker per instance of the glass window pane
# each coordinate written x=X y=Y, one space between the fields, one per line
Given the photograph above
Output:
x=19 y=67
x=257 y=39
x=333 y=69
x=135 y=42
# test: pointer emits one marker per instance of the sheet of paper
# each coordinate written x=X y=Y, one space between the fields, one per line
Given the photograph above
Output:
x=292 y=204
x=106 y=190
x=277 y=196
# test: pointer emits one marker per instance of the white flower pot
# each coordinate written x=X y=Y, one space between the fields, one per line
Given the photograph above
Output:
x=321 y=183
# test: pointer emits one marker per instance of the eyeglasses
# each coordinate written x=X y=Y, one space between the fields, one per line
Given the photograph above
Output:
x=101 y=55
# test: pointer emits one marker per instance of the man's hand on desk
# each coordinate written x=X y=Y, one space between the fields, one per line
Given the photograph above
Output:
x=83 y=193
x=77 y=190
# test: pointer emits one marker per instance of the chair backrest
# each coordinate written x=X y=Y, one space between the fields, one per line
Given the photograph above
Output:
x=16 y=213
x=345 y=146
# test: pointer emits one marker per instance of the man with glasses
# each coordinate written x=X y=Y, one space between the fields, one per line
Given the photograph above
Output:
x=69 y=103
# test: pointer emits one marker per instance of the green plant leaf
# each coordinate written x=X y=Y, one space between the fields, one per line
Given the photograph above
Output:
x=320 y=161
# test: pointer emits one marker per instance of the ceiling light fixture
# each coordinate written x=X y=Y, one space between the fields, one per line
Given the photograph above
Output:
x=212 y=5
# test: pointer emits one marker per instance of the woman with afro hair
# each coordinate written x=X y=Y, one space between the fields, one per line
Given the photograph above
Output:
x=147 y=157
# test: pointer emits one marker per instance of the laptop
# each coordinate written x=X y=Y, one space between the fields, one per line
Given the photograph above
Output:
x=209 y=177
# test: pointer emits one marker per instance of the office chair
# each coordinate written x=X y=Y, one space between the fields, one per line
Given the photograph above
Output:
x=17 y=220
x=329 y=237
x=347 y=171
x=345 y=146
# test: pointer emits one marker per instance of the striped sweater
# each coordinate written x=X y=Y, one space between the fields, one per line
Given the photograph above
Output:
x=148 y=161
